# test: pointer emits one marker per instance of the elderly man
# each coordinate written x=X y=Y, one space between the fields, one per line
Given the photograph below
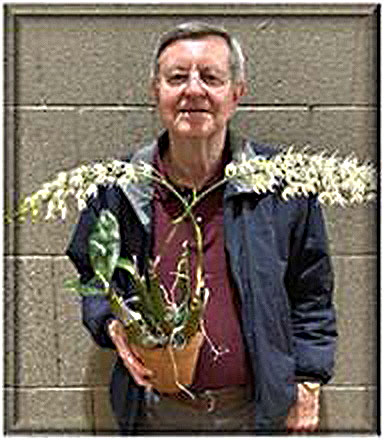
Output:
x=269 y=317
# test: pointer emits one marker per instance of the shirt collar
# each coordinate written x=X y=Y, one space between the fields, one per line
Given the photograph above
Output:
x=238 y=148
x=161 y=166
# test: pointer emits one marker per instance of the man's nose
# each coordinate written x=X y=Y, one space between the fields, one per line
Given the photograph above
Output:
x=195 y=85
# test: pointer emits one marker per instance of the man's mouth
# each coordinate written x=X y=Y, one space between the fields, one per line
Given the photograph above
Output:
x=193 y=110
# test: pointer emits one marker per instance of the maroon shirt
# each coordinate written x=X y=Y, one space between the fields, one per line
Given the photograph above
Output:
x=221 y=318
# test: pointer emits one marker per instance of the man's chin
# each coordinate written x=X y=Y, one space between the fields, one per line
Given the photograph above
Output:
x=194 y=131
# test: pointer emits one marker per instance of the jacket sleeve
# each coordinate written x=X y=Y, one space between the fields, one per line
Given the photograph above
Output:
x=310 y=287
x=96 y=310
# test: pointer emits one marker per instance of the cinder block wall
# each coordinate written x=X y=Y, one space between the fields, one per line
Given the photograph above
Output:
x=77 y=91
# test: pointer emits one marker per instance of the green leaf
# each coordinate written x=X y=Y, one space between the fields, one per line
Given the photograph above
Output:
x=104 y=245
x=156 y=299
x=83 y=289
x=180 y=314
x=128 y=265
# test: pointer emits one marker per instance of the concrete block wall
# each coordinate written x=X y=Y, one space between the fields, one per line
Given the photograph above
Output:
x=76 y=91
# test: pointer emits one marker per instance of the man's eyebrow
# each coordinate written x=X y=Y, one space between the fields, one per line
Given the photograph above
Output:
x=211 y=68
x=173 y=68
x=215 y=69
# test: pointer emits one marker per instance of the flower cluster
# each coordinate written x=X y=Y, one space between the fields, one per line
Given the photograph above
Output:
x=294 y=174
x=291 y=173
x=80 y=184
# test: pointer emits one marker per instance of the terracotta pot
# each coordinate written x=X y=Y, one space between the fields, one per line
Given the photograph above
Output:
x=171 y=365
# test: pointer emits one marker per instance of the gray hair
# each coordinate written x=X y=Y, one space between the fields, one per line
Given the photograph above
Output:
x=197 y=30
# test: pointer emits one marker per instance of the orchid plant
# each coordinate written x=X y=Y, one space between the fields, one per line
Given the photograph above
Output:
x=151 y=317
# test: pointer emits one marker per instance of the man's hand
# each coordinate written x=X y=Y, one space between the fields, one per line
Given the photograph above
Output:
x=127 y=353
x=304 y=414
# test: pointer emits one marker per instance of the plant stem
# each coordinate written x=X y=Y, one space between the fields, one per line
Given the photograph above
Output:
x=188 y=211
x=196 y=200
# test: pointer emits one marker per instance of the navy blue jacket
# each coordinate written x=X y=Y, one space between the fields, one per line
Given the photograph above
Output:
x=279 y=260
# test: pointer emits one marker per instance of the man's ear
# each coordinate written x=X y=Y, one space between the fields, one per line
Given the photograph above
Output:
x=154 y=89
x=239 y=91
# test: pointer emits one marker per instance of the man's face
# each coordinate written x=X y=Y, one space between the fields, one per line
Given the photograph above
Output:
x=195 y=93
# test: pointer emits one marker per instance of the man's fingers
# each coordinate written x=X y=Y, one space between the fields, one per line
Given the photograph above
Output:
x=141 y=375
x=303 y=424
x=128 y=354
x=303 y=416
x=134 y=363
x=140 y=380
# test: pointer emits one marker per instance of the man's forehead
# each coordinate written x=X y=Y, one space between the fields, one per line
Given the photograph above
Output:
x=209 y=50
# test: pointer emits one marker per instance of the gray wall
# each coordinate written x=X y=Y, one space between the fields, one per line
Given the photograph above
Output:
x=76 y=91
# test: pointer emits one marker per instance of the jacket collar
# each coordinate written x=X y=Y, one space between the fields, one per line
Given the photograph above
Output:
x=140 y=194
